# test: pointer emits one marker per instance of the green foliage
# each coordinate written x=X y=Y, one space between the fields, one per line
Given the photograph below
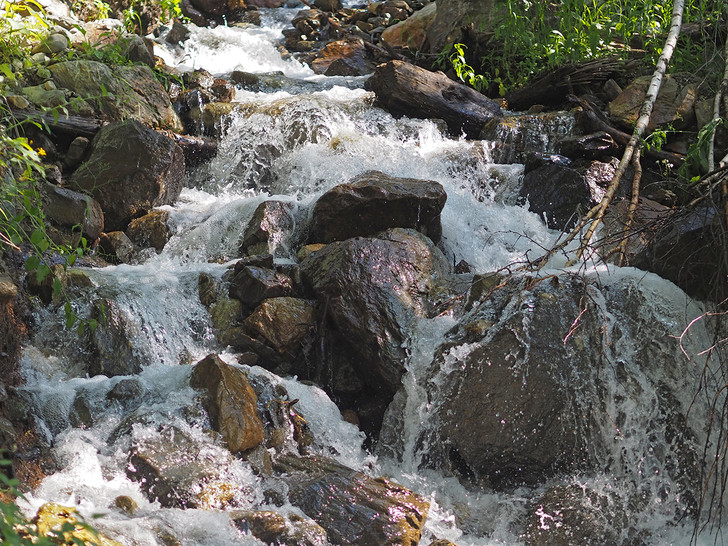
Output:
x=529 y=37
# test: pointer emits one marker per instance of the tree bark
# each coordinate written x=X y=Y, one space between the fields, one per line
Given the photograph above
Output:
x=642 y=122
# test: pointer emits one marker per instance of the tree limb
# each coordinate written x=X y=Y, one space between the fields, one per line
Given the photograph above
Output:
x=641 y=126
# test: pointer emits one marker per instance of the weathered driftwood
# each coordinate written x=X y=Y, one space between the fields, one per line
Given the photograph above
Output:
x=406 y=89
x=67 y=125
x=196 y=149
x=553 y=86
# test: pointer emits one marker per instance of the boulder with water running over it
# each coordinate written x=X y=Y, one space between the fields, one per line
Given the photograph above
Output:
x=353 y=508
x=372 y=202
x=561 y=193
x=408 y=90
x=275 y=528
x=543 y=377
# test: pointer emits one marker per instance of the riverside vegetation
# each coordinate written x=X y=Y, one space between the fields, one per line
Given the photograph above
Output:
x=504 y=53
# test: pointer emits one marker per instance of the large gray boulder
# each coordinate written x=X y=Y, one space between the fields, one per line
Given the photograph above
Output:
x=373 y=202
x=544 y=376
x=117 y=93
x=131 y=170
x=371 y=290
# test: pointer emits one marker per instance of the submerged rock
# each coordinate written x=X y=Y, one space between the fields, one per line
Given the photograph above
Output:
x=373 y=202
x=269 y=229
x=129 y=189
x=171 y=469
x=230 y=402
x=353 y=507
x=110 y=347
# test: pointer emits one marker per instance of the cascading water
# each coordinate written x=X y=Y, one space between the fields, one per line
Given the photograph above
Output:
x=296 y=143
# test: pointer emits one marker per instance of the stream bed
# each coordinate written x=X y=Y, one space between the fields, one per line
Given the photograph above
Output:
x=294 y=143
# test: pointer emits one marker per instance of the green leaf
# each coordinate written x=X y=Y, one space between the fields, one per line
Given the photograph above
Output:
x=42 y=273
x=31 y=264
x=57 y=286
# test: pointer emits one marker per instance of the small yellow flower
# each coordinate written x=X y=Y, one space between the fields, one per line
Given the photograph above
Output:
x=41 y=152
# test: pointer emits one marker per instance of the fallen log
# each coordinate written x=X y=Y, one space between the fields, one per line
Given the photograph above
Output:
x=67 y=125
x=196 y=149
x=408 y=90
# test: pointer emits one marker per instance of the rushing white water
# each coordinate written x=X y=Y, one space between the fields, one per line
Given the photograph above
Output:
x=294 y=146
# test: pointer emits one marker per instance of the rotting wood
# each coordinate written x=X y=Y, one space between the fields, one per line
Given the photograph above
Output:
x=64 y=124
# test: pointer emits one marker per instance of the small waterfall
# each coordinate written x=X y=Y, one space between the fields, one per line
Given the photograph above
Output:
x=294 y=144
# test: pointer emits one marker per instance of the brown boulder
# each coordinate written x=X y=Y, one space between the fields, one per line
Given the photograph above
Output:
x=347 y=57
x=131 y=170
x=150 y=230
x=251 y=284
x=674 y=105
x=411 y=32
x=352 y=507
x=373 y=202
x=230 y=402
x=282 y=323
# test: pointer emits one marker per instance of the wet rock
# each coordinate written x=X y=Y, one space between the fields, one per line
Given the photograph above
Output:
x=129 y=189
x=352 y=507
x=591 y=146
x=224 y=315
x=412 y=31
x=177 y=34
x=347 y=57
x=514 y=400
x=266 y=3
x=517 y=136
x=150 y=230
x=406 y=89
x=230 y=402
x=371 y=290
x=207 y=289
x=274 y=528
x=649 y=217
x=251 y=284
x=171 y=469
x=54 y=518
x=688 y=249
x=111 y=347
x=116 y=247
x=328 y=5
x=128 y=393
x=283 y=323
x=561 y=193
x=576 y=514
x=126 y=504
x=72 y=210
x=269 y=229
x=373 y=202
x=674 y=104
x=126 y=92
